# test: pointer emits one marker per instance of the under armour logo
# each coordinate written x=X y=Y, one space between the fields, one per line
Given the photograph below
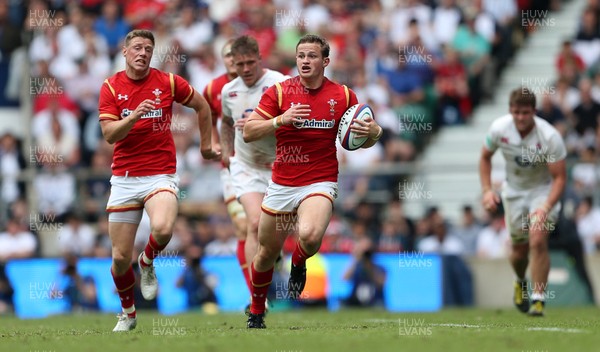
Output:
x=121 y=96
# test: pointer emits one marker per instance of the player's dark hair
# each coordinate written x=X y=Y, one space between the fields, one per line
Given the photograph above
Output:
x=522 y=97
x=245 y=45
x=139 y=33
x=312 y=38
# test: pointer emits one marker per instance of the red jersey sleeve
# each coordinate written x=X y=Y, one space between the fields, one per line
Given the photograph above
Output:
x=107 y=105
x=181 y=90
x=269 y=105
x=208 y=96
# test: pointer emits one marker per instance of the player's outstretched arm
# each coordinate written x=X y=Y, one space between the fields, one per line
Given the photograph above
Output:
x=256 y=127
x=200 y=105
x=227 y=134
x=216 y=140
x=115 y=130
x=490 y=198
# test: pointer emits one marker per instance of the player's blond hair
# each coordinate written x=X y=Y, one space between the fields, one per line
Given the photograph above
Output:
x=228 y=43
x=139 y=33
x=245 y=45
x=522 y=97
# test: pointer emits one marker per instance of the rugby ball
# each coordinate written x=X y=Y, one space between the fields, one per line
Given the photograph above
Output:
x=347 y=138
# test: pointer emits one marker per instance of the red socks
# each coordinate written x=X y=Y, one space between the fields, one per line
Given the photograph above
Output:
x=241 y=256
x=125 y=284
x=299 y=256
x=151 y=251
x=260 y=287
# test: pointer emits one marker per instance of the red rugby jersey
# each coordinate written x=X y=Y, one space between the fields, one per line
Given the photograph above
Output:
x=148 y=148
x=212 y=94
x=306 y=153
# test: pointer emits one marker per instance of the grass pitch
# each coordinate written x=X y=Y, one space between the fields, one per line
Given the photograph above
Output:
x=562 y=329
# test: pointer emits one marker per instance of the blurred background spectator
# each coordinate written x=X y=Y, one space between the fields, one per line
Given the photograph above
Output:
x=75 y=237
x=55 y=188
x=494 y=240
x=225 y=242
x=588 y=225
x=12 y=163
x=198 y=285
x=440 y=240
x=468 y=230
x=367 y=280
x=79 y=291
x=16 y=242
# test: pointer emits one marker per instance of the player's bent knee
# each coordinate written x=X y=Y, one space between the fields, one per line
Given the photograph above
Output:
x=519 y=251
x=163 y=238
x=312 y=243
x=267 y=254
x=253 y=225
x=121 y=261
x=161 y=230
x=538 y=243
x=311 y=235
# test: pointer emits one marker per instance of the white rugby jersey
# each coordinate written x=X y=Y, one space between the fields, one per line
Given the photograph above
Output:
x=236 y=99
x=526 y=158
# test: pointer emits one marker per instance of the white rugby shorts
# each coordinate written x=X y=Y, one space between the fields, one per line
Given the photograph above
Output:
x=518 y=207
x=248 y=179
x=129 y=194
x=284 y=199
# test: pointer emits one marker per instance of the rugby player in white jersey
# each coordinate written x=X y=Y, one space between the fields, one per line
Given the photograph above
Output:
x=535 y=179
x=249 y=163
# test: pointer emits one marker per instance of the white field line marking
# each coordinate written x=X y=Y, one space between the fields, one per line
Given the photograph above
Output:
x=460 y=325
x=576 y=331
x=381 y=320
x=550 y=329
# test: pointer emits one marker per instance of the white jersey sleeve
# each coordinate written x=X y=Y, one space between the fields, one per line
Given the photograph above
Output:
x=491 y=138
x=225 y=108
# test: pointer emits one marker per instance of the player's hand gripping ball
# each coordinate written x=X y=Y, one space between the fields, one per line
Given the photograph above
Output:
x=347 y=138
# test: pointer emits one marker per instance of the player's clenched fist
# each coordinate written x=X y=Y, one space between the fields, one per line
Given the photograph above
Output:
x=145 y=107
x=490 y=200
x=210 y=154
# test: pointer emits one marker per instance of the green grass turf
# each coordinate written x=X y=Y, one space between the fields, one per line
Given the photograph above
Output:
x=562 y=329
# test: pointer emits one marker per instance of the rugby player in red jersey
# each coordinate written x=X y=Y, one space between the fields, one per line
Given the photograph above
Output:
x=304 y=113
x=212 y=91
x=135 y=111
